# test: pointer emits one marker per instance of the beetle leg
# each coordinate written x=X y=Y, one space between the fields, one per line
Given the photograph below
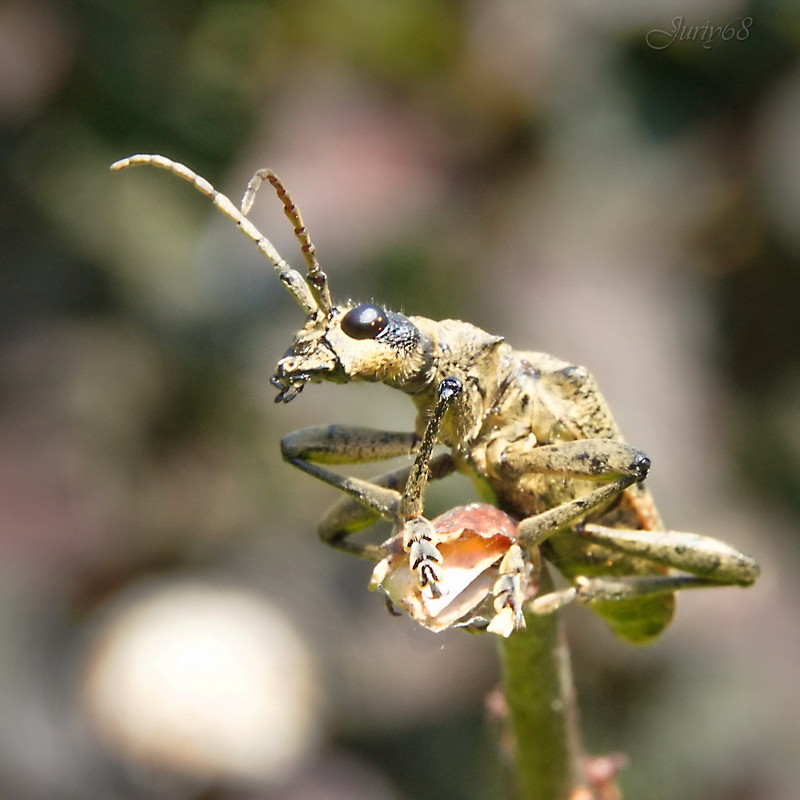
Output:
x=309 y=449
x=534 y=530
x=604 y=589
x=593 y=459
x=424 y=558
x=511 y=591
x=710 y=561
x=552 y=601
x=590 y=590
x=611 y=589
x=345 y=444
x=703 y=562
x=419 y=538
x=413 y=494
x=589 y=459
x=354 y=513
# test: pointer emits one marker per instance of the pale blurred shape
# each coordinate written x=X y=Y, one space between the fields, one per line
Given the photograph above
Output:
x=205 y=681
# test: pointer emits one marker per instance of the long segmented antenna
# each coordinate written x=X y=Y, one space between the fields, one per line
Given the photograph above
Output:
x=312 y=294
x=316 y=278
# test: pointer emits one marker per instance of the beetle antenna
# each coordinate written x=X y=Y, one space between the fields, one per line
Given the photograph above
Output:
x=307 y=294
x=316 y=278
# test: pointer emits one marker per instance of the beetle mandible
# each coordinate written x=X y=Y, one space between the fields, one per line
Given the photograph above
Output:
x=533 y=433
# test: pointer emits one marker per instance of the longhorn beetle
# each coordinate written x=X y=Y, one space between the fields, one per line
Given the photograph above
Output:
x=533 y=432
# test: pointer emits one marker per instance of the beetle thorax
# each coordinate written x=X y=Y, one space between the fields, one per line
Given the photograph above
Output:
x=460 y=350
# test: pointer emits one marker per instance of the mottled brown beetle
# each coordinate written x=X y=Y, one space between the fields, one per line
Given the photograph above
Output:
x=532 y=432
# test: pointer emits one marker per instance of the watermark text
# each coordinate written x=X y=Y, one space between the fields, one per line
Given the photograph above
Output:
x=705 y=34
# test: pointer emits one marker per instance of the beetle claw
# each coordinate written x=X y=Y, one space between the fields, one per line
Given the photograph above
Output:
x=423 y=555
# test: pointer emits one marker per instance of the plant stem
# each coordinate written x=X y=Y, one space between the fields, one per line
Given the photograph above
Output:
x=540 y=697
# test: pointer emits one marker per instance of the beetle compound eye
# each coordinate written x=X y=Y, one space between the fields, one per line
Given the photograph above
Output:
x=364 y=322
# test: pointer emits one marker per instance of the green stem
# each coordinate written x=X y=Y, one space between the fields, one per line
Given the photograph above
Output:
x=542 y=709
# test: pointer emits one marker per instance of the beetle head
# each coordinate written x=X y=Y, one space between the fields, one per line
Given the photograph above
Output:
x=354 y=342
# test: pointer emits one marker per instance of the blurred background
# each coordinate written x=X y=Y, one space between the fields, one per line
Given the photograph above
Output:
x=578 y=177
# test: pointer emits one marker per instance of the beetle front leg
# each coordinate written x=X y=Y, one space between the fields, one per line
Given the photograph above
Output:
x=309 y=448
x=419 y=537
x=382 y=496
x=351 y=514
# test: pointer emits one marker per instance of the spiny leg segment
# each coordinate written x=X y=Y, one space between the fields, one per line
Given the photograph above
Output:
x=312 y=294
